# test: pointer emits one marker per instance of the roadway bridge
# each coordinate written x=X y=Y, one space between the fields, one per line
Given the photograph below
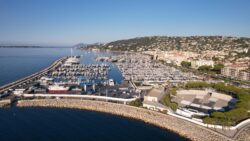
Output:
x=31 y=78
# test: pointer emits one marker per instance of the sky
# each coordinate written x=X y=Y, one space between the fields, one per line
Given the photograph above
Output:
x=68 y=22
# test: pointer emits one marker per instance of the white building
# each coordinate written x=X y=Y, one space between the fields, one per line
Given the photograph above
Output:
x=151 y=100
x=18 y=92
x=197 y=63
x=153 y=95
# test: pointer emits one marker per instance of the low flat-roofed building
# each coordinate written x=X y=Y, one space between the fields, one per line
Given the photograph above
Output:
x=197 y=63
x=18 y=91
x=152 y=100
x=154 y=95
x=154 y=106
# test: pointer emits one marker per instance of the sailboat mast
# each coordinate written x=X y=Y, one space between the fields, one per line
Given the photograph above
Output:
x=71 y=51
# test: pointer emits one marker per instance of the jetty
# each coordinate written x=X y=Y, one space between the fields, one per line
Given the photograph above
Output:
x=31 y=78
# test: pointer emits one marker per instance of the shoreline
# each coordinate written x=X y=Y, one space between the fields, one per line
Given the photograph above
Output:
x=181 y=127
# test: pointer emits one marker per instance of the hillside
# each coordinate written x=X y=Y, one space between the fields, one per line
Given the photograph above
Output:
x=191 y=43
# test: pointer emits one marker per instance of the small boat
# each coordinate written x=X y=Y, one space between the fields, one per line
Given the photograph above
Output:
x=57 y=89
x=111 y=82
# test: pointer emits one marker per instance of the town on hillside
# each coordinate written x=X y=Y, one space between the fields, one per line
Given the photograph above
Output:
x=226 y=58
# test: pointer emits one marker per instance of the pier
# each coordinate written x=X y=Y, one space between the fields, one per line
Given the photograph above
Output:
x=31 y=78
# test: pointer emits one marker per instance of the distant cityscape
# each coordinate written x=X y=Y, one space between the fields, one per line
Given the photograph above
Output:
x=225 y=56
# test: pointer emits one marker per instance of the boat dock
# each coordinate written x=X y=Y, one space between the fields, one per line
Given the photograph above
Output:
x=29 y=79
x=68 y=78
x=142 y=68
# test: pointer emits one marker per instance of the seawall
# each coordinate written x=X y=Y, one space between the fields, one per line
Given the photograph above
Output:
x=4 y=103
x=32 y=77
x=184 y=128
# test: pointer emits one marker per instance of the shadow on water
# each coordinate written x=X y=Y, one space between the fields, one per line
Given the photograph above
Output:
x=58 y=124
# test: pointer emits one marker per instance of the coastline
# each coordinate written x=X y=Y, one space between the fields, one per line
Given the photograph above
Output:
x=181 y=127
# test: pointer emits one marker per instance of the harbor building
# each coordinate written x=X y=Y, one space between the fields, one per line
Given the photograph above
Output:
x=152 y=100
x=154 y=95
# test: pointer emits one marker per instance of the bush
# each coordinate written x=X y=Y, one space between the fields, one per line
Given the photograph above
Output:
x=196 y=85
x=136 y=103
x=217 y=68
x=186 y=64
x=234 y=116
x=167 y=101
x=173 y=91
x=205 y=68
x=231 y=117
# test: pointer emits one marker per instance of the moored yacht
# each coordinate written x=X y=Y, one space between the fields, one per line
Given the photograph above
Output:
x=72 y=60
x=57 y=89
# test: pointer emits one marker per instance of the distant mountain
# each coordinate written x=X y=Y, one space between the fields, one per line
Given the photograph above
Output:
x=19 y=46
x=80 y=45
x=31 y=46
x=86 y=46
x=190 y=43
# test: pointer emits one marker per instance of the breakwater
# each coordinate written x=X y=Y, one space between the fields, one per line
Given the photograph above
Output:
x=182 y=127
x=33 y=77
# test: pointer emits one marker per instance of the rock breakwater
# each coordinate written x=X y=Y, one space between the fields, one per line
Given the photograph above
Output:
x=182 y=127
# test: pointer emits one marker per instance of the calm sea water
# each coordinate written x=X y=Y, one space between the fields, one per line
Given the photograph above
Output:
x=51 y=124
x=16 y=63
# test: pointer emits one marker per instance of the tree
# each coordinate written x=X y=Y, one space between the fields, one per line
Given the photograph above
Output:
x=217 y=68
x=199 y=85
x=136 y=103
x=215 y=58
x=186 y=64
x=173 y=91
x=205 y=68
x=167 y=101
x=233 y=116
x=248 y=53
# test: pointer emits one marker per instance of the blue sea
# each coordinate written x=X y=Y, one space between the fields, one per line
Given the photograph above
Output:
x=51 y=124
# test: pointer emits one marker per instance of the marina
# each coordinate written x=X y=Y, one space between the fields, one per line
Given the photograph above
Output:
x=69 y=78
x=6 y=89
x=143 y=68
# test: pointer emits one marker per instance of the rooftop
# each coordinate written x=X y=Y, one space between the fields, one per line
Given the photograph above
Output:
x=203 y=99
x=155 y=93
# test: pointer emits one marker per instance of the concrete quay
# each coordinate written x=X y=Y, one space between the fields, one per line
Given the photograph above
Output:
x=184 y=128
x=4 y=103
x=244 y=135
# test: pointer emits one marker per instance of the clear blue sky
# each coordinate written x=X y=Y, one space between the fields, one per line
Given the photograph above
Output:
x=68 y=22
